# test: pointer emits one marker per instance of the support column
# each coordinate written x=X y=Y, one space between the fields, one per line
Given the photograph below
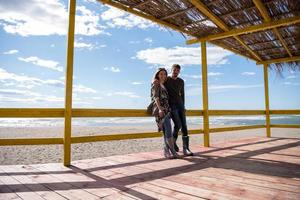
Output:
x=69 y=84
x=205 y=95
x=268 y=129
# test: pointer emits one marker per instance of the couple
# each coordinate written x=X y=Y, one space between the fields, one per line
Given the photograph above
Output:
x=168 y=96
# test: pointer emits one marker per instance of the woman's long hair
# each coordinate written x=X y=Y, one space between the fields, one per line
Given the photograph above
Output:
x=157 y=72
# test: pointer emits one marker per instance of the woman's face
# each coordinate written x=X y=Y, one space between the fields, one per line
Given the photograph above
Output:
x=162 y=75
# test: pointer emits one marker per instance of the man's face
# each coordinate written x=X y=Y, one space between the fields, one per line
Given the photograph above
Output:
x=175 y=72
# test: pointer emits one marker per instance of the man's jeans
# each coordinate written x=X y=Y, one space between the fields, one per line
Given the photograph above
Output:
x=179 y=119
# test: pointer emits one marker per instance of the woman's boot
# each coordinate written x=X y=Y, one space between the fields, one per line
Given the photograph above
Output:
x=186 y=150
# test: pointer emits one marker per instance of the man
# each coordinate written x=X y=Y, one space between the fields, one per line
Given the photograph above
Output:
x=175 y=88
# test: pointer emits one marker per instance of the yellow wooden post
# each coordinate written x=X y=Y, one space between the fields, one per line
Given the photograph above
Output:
x=69 y=84
x=205 y=95
x=267 y=100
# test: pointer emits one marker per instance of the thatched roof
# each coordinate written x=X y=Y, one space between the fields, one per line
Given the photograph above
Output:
x=203 y=18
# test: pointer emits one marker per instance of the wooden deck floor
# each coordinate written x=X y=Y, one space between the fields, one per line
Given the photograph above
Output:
x=254 y=168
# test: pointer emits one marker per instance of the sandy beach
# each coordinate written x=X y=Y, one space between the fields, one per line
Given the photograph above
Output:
x=53 y=153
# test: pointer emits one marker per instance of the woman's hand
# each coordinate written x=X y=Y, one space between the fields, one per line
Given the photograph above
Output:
x=161 y=113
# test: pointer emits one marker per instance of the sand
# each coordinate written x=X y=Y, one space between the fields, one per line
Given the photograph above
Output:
x=53 y=153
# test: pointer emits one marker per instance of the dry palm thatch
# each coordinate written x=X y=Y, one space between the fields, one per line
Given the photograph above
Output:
x=234 y=14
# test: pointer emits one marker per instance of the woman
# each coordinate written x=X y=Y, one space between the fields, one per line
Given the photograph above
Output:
x=161 y=111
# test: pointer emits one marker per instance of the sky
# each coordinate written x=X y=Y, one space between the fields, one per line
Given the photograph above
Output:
x=115 y=57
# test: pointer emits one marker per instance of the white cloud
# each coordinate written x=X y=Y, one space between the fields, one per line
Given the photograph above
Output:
x=82 y=45
x=292 y=84
x=52 y=45
x=116 y=18
x=37 y=17
x=136 y=83
x=83 y=89
x=26 y=96
x=88 y=46
x=214 y=74
x=112 y=69
x=291 y=77
x=29 y=99
x=248 y=73
x=148 y=40
x=16 y=92
x=182 y=55
x=11 y=79
x=191 y=76
x=124 y=93
x=50 y=64
x=14 y=51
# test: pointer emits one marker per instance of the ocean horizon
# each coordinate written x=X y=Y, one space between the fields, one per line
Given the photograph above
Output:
x=140 y=121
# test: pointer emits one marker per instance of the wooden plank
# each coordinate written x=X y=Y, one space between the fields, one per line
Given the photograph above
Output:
x=30 y=141
x=235 y=128
x=66 y=188
x=235 y=112
x=251 y=29
x=18 y=188
x=6 y=193
x=284 y=112
x=32 y=112
x=285 y=126
x=39 y=189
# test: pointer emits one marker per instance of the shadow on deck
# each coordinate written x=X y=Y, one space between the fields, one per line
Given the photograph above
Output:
x=254 y=168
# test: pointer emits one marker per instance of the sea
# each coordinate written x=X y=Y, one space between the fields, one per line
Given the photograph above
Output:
x=144 y=121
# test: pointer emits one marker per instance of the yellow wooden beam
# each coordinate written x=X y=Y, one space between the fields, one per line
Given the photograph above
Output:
x=263 y=11
x=83 y=112
x=32 y=112
x=205 y=94
x=279 y=60
x=126 y=136
x=69 y=84
x=234 y=128
x=215 y=19
x=30 y=141
x=235 y=112
x=282 y=42
x=284 y=112
x=94 y=112
x=250 y=29
x=267 y=104
x=285 y=126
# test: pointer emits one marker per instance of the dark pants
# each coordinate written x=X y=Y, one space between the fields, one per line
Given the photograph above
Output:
x=179 y=119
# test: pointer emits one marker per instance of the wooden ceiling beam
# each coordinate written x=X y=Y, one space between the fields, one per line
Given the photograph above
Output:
x=251 y=29
x=279 y=60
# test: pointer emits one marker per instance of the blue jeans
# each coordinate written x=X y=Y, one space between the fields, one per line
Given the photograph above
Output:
x=179 y=119
x=167 y=129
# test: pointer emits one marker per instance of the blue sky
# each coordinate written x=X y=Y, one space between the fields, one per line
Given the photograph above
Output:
x=116 y=55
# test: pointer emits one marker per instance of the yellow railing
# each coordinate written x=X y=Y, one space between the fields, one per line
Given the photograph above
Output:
x=59 y=113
